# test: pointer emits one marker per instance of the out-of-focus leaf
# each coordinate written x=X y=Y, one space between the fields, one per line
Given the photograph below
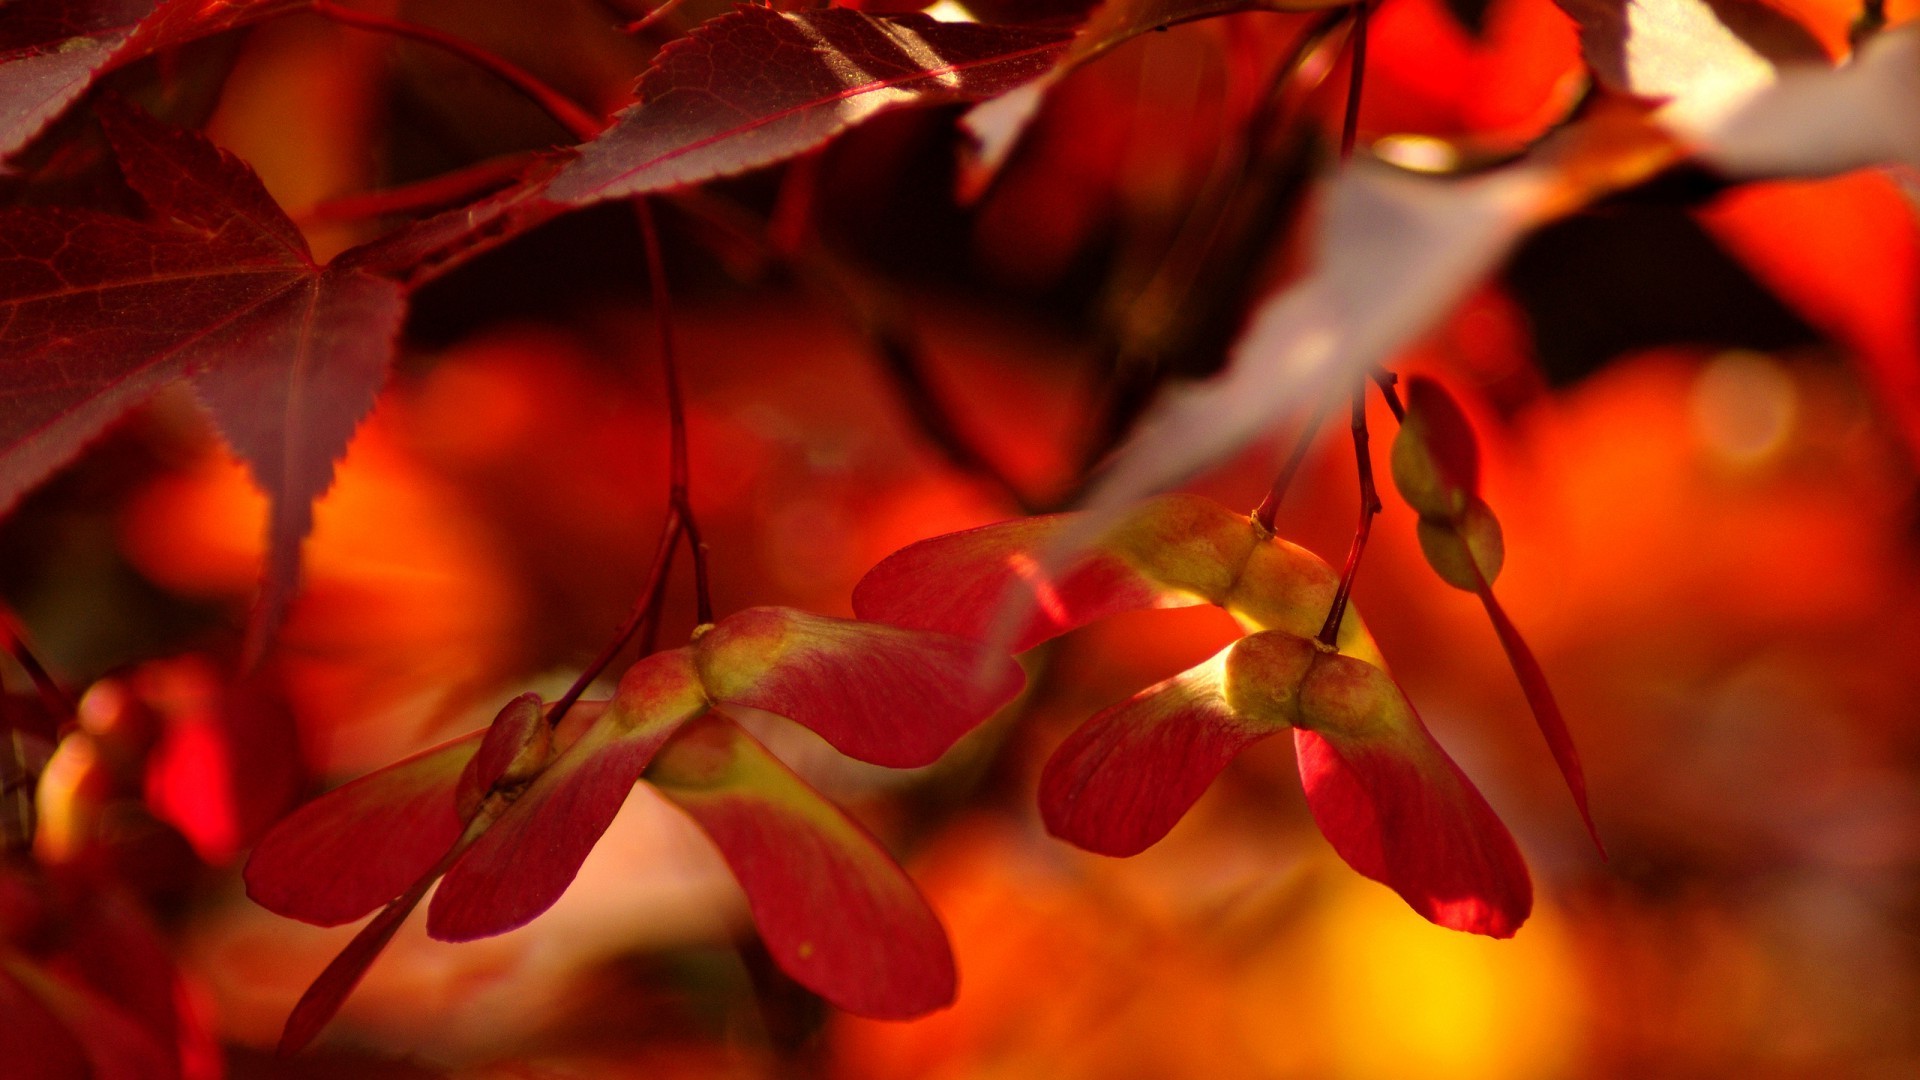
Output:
x=1818 y=121
x=880 y=693
x=52 y=50
x=834 y=910
x=116 y=1046
x=97 y=312
x=996 y=125
x=1696 y=56
x=758 y=86
x=1393 y=253
x=1845 y=253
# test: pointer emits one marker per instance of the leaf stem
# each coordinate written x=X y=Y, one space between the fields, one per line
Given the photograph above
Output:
x=1356 y=78
x=676 y=408
x=448 y=189
x=646 y=610
x=580 y=123
x=876 y=316
x=1385 y=380
x=647 y=21
x=1369 y=506
x=52 y=694
x=1270 y=506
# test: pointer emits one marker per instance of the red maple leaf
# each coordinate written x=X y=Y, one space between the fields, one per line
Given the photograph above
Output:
x=98 y=312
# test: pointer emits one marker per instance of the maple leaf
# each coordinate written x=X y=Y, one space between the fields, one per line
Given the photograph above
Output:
x=504 y=818
x=52 y=50
x=99 y=312
x=1383 y=792
x=758 y=86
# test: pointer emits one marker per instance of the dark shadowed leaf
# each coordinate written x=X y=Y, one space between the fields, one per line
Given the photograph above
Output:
x=879 y=693
x=52 y=50
x=835 y=911
x=997 y=125
x=758 y=86
x=98 y=312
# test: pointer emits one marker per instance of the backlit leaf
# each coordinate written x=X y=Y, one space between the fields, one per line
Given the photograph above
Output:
x=758 y=86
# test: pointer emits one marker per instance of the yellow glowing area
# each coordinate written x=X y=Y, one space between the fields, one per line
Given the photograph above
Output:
x=1461 y=1005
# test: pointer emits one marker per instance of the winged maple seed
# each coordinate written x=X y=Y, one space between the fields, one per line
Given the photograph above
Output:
x=1382 y=791
x=1436 y=466
x=504 y=817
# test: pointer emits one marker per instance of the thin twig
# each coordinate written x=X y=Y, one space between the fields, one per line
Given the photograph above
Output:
x=448 y=189
x=1385 y=380
x=1270 y=506
x=646 y=22
x=582 y=124
x=1369 y=506
x=1356 y=78
x=646 y=609
x=52 y=694
x=676 y=407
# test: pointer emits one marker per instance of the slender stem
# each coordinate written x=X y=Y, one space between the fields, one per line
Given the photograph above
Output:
x=676 y=408
x=1356 y=77
x=52 y=694
x=1272 y=99
x=646 y=610
x=1270 y=506
x=1369 y=506
x=1385 y=380
x=447 y=189
x=647 y=21
x=582 y=124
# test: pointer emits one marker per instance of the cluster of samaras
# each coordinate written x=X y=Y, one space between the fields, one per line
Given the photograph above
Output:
x=504 y=817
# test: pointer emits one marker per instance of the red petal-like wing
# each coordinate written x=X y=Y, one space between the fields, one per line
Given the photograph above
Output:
x=360 y=845
x=1121 y=781
x=879 y=693
x=1173 y=551
x=1397 y=808
x=522 y=863
x=834 y=910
